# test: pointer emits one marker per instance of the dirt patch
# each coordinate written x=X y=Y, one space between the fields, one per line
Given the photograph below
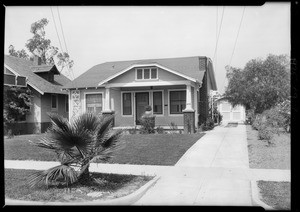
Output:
x=106 y=187
x=264 y=156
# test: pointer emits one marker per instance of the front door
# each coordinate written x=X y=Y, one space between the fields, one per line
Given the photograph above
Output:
x=141 y=101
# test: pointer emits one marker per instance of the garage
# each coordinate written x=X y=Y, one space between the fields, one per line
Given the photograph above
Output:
x=232 y=114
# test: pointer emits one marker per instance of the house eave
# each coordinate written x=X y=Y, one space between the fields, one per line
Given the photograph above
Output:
x=145 y=65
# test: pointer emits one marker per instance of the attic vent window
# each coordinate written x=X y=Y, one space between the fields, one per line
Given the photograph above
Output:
x=146 y=73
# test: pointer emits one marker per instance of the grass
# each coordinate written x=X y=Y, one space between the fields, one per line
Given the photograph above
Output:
x=151 y=149
x=264 y=156
x=276 y=194
x=275 y=156
x=110 y=185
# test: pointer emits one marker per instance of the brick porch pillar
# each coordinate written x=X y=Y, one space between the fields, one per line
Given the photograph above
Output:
x=189 y=121
x=189 y=113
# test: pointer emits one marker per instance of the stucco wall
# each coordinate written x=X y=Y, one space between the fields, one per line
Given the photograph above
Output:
x=46 y=107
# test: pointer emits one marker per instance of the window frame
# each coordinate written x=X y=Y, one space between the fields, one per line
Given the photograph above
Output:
x=56 y=97
x=169 y=102
x=87 y=93
x=143 y=73
x=122 y=105
x=162 y=102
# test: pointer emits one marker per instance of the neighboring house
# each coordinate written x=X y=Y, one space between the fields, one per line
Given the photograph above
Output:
x=45 y=83
x=231 y=114
x=172 y=87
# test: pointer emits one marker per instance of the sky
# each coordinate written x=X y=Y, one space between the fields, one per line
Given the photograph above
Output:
x=98 y=34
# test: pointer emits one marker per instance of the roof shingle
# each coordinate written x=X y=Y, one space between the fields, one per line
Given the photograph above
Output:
x=25 y=68
x=193 y=67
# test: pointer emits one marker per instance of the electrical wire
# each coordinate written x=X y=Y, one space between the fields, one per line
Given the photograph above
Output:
x=237 y=36
x=62 y=30
x=235 y=41
x=219 y=33
x=56 y=29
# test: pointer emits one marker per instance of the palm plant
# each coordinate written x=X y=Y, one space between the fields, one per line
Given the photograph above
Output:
x=88 y=138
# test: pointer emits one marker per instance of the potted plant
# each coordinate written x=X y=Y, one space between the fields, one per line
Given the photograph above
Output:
x=148 y=110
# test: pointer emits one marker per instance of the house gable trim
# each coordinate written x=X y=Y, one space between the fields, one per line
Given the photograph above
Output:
x=17 y=74
x=145 y=65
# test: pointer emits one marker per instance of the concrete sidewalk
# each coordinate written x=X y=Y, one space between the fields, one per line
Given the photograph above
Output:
x=214 y=171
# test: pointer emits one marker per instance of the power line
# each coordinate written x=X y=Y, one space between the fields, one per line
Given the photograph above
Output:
x=217 y=19
x=237 y=35
x=219 y=33
x=56 y=29
x=61 y=27
x=235 y=41
x=62 y=30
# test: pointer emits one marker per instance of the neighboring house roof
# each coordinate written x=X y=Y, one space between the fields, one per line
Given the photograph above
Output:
x=44 y=68
x=193 y=67
x=27 y=69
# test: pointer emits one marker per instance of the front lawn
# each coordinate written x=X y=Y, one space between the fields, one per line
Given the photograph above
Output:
x=152 y=149
x=276 y=194
x=264 y=156
x=108 y=186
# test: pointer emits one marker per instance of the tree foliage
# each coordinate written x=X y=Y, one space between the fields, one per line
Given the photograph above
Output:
x=20 y=53
x=261 y=84
x=16 y=104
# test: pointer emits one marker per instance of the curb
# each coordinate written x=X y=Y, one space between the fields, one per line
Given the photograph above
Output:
x=256 y=196
x=126 y=200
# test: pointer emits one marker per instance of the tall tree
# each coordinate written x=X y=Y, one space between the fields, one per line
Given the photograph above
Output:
x=261 y=84
x=40 y=46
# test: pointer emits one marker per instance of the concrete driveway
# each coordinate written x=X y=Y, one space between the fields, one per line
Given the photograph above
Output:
x=212 y=172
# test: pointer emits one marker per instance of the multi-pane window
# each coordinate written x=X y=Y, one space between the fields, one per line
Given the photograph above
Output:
x=146 y=73
x=139 y=73
x=177 y=101
x=54 y=102
x=157 y=102
x=127 y=107
x=94 y=103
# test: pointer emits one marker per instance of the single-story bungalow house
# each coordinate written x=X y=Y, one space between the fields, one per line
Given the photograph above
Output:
x=174 y=87
x=45 y=83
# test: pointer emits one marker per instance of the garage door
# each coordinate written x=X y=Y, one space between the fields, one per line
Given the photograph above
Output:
x=231 y=114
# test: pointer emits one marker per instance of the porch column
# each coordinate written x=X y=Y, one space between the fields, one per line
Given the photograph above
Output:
x=188 y=98
x=107 y=100
x=107 y=109
x=189 y=112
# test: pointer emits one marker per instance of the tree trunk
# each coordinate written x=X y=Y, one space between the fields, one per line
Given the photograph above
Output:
x=85 y=176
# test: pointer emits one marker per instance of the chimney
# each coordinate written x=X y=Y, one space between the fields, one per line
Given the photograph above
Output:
x=37 y=60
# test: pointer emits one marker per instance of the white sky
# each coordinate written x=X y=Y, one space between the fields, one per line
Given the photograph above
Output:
x=100 y=34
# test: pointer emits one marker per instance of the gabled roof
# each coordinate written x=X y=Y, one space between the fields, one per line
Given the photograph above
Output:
x=192 y=67
x=26 y=68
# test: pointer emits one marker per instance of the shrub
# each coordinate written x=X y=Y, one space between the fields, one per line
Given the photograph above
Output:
x=250 y=116
x=160 y=130
x=208 y=124
x=147 y=124
x=217 y=116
